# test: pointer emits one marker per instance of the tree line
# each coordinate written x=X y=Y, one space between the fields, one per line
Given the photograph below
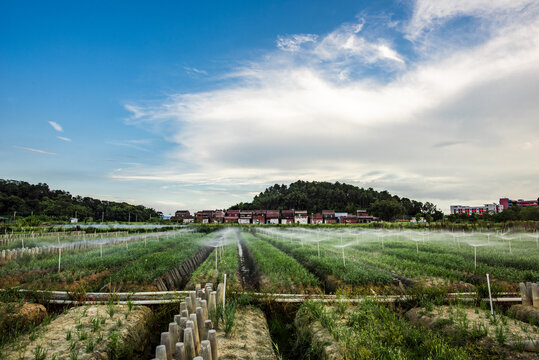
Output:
x=21 y=199
x=315 y=196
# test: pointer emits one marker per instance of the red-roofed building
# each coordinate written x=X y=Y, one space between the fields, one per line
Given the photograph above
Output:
x=272 y=216
x=317 y=219
x=301 y=217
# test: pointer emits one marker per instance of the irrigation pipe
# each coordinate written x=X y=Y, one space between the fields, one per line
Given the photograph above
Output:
x=165 y=297
x=280 y=300
x=173 y=294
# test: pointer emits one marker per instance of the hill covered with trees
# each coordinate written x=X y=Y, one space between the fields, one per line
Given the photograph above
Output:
x=315 y=196
x=21 y=199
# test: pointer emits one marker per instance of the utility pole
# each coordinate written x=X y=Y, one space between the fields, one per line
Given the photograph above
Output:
x=102 y=216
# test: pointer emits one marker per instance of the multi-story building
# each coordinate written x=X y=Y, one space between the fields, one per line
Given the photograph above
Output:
x=272 y=216
x=259 y=216
x=476 y=210
x=301 y=217
x=348 y=219
x=205 y=216
x=245 y=217
x=364 y=217
x=317 y=219
x=287 y=216
x=507 y=203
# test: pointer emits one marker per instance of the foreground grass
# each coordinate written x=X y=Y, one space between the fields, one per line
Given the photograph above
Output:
x=373 y=331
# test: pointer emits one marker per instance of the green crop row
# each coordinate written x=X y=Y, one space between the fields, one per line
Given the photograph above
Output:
x=439 y=255
x=284 y=273
x=149 y=267
x=76 y=265
x=227 y=263
x=330 y=262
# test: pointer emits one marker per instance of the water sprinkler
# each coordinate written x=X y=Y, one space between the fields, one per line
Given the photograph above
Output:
x=475 y=246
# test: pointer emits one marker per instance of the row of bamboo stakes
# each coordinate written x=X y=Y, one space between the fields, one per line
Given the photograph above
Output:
x=191 y=335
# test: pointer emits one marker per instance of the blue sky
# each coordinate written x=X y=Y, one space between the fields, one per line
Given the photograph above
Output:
x=201 y=105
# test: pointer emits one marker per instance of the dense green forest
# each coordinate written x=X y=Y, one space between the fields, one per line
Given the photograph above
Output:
x=316 y=196
x=19 y=199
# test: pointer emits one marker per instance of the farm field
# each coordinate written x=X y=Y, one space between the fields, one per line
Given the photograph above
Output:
x=304 y=264
x=428 y=258
x=135 y=263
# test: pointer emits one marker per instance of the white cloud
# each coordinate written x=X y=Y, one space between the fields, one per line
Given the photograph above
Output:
x=137 y=144
x=345 y=43
x=195 y=70
x=56 y=126
x=36 y=150
x=294 y=42
x=345 y=46
x=440 y=129
x=63 y=138
x=429 y=14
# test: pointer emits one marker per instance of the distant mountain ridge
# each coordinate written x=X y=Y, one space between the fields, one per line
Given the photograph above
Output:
x=315 y=196
x=20 y=198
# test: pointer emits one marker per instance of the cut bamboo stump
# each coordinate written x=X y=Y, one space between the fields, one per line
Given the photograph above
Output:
x=191 y=334
x=161 y=352
x=204 y=306
x=183 y=326
x=189 y=343
x=535 y=295
x=174 y=331
x=207 y=327
x=205 y=351
x=212 y=304
x=192 y=302
x=525 y=293
x=200 y=323
x=193 y=325
x=212 y=337
x=167 y=342
x=179 y=353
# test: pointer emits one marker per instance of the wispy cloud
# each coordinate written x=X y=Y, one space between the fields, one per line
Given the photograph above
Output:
x=447 y=143
x=137 y=144
x=35 y=150
x=63 y=138
x=429 y=15
x=323 y=109
x=194 y=70
x=294 y=42
x=56 y=126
